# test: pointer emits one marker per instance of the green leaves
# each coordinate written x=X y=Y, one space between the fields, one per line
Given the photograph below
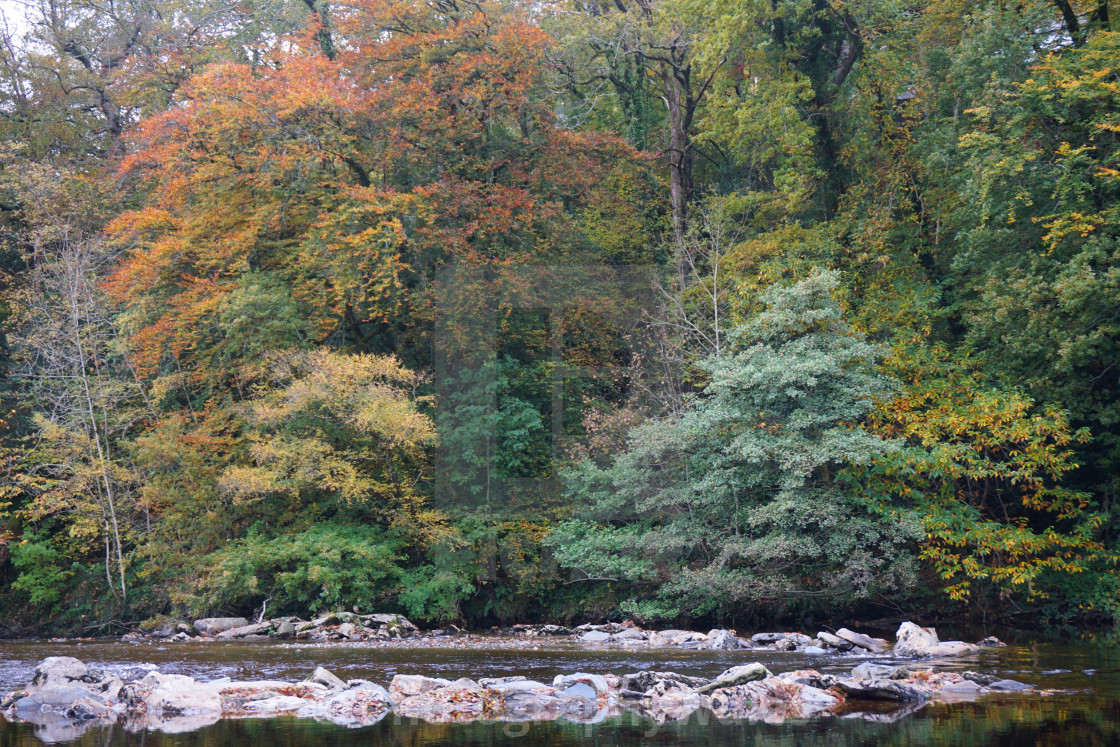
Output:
x=735 y=501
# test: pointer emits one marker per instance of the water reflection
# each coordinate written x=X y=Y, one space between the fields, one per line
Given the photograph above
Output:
x=1057 y=720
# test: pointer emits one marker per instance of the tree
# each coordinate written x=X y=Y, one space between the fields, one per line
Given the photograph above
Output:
x=981 y=469
x=737 y=501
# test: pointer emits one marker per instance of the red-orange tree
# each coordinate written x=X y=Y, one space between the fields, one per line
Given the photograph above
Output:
x=320 y=191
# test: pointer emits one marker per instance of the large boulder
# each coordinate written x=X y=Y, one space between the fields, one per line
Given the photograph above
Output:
x=65 y=671
x=215 y=625
x=916 y=642
x=736 y=676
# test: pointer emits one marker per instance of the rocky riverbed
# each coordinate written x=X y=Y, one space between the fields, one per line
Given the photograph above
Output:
x=65 y=696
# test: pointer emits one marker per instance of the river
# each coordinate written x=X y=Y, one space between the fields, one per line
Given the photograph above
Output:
x=1083 y=708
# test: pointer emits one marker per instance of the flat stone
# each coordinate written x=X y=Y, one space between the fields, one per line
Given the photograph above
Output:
x=245 y=630
x=595 y=636
x=874 y=645
x=736 y=676
x=814 y=650
x=765 y=639
x=215 y=625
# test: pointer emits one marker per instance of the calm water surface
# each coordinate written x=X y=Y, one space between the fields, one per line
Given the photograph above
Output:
x=1085 y=710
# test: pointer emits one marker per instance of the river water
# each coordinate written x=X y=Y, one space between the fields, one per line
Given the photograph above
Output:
x=1081 y=707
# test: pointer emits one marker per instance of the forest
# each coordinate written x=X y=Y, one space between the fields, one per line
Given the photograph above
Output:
x=496 y=311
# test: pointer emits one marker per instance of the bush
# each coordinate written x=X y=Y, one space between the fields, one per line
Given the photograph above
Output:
x=326 y=567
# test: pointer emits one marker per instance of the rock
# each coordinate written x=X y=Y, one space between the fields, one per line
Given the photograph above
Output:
x=244 y=630
x=765 y=639
x=394 y=621
x=594 y=681
x=677 y=637
x=736 y=676
x=980 y=679
x=327 y=679
x=579 y=690
x=630 y=635
x=374 y=690
x=1009 y=686
x=332 y=618
x=772 y=700
x=491 y=681
x=66 y=671
x=355 y=707
x=891 y=690
x=869 y=671
x=56 y=699
x=522 y=685
x=834 y=641
x=645 y=681
x=61 y=671
x=175 y=694
x=722 y=639
x=554 y=630
x=595 y=636
x=408 y=685
x=276 y=705
x=284 y=630
x=991 y=641
x=952 y=648
x=793 y=642
x=215 y=625
x=810 y=677
x=874 y=645
x=814 y=650
x=916 y=642
x=348 y=630
x=964 y=687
